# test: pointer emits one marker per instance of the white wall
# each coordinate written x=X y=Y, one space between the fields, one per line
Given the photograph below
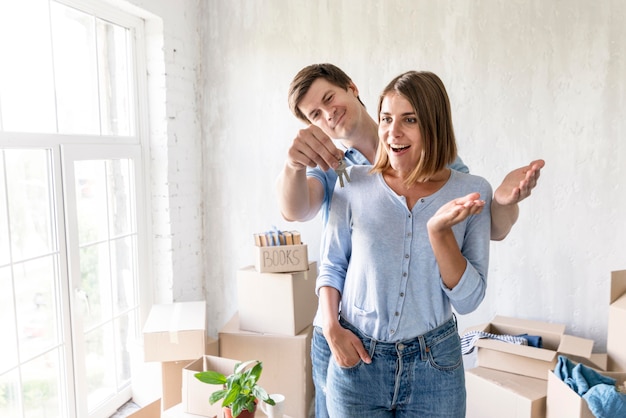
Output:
x=527 y=79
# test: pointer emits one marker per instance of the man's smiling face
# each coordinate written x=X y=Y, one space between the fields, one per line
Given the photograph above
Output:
x=331 y=108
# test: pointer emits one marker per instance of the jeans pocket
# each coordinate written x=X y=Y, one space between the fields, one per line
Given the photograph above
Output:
x=347 y=368
x=445 y=354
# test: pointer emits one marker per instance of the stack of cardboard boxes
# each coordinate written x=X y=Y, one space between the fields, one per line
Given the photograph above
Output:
x=515 y=380
x=277 y=305
x=175 y=335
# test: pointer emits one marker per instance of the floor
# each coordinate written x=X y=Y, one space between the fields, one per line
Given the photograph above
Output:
x=130 y=407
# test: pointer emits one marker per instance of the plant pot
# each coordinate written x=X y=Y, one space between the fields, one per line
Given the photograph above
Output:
x=228 y=413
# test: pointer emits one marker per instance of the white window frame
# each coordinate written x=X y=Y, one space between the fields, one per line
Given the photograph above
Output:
x=67 y=148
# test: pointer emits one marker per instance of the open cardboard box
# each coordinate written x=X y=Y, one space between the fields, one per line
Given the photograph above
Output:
x=496 y=394
x=527 y=360
x=196 y=394
x=276 y=303
x=172 y=376
x=616 y=341
x=564 y=402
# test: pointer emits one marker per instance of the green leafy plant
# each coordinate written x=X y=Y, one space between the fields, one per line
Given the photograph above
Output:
x=240 y=389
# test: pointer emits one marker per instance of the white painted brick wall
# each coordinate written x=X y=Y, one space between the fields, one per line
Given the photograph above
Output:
x=175 y=144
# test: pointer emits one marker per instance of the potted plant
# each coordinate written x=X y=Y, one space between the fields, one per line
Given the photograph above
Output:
x=240 y=392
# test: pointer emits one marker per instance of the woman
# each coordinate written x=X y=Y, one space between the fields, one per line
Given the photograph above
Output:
x=406 y=240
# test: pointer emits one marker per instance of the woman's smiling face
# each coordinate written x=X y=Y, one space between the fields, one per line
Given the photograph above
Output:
x=399 y=130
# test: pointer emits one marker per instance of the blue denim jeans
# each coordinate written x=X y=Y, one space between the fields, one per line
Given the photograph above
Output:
x=421 y=377
x=320 y=356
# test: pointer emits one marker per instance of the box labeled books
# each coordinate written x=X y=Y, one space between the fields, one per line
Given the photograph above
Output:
x=280 y=252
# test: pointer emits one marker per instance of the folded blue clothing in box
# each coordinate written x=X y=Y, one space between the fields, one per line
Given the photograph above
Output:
x=533 y=340
x=599 y=391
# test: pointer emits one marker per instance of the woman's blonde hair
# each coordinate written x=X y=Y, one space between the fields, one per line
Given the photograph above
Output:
x=428 y=97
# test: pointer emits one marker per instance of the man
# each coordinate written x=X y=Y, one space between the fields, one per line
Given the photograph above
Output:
x=326 y=99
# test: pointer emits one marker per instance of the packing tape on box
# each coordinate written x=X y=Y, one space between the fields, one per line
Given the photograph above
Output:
x=174 y=321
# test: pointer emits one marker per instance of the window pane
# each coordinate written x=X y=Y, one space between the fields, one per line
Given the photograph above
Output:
x=40 y=385
x=36 y=304
x=91 y=201
x=95 y=283
x=30 y=206
x=125 y=333
x=123 y=268
x=113 y=62
x=4 y=221
x=26 y=76
x=8 y=358
x=121 y=205
x=100 y=365
x=75 y=70
x=10 y=389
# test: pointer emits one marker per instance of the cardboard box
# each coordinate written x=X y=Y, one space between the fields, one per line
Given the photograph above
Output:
x=196 y=394
x=496 y=394
x=175 y=331
x=172 y=376
x=152 y=410
x=527 y=360
x=281 y=258
x=286 y=362
x=172 y=382
x=599 y=361
x=177 y=411
x=616 y=341
x=276 y=303
x=563 y=402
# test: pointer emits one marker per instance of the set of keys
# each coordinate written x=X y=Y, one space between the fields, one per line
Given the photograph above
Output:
x=341 y=171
